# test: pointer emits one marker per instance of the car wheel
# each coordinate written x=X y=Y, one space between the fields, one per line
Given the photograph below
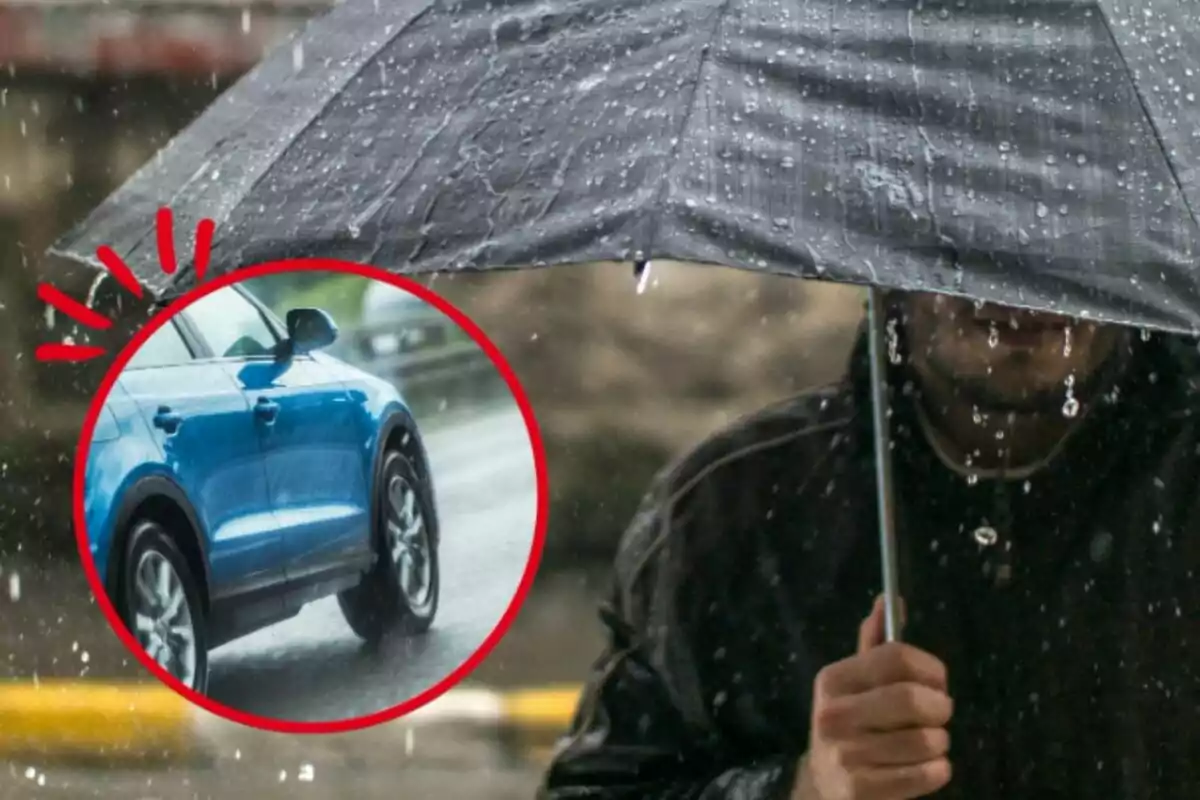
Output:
x=160 y=605
x=400 y=593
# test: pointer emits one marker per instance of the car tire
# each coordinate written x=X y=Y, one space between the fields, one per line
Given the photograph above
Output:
x=158 y=590
x=400 y=592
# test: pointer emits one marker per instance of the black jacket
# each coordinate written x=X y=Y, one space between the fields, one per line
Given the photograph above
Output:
x=1072 y=643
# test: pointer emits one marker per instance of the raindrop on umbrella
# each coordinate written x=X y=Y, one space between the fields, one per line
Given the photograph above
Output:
x=1071 y=406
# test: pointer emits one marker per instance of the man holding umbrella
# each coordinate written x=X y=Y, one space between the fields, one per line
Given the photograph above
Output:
x=1046 y=476
x=1032 y=155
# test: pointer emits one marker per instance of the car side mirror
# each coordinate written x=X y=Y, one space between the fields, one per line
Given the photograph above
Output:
x=309 y=329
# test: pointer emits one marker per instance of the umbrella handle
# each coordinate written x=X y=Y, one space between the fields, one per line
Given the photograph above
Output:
x=878 y=345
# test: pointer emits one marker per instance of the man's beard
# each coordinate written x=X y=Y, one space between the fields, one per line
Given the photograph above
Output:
x=984 y=394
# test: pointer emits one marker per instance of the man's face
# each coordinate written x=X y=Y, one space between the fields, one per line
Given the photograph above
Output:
x=999 y=358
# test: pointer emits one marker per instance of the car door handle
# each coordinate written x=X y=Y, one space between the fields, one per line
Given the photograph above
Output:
x=266 y=410
x=167 y=420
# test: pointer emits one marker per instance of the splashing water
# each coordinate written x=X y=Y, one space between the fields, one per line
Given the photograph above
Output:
x=1070 y=407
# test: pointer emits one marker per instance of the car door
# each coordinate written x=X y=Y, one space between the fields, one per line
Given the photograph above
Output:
x=206 y=433
x=305 y=420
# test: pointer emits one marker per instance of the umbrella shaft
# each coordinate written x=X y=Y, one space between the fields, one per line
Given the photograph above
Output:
x=879 y=344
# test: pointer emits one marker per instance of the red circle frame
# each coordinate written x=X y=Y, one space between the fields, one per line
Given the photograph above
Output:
x=539 y=461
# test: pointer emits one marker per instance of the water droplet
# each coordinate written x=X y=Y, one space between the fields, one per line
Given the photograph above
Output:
x=972 y=479
x=1027 y=487
x=306 y=773
x=1070 y=408
x=1042 y=210
x=893 y=342
x=643 y=278
x=993 y=335
x=986 y=536
x=1066 y=351
x=14 y=587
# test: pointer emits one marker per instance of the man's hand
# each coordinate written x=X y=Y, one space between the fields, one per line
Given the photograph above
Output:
x=879 y=723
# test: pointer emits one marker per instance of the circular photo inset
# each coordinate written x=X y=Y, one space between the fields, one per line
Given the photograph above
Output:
x=311 y=498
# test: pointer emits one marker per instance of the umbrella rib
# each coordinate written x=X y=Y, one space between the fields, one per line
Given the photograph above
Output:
x=719 y=14
x=368 y=59
x=1149 y=119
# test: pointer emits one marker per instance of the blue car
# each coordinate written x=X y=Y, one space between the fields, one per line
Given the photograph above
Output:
x=237 y=473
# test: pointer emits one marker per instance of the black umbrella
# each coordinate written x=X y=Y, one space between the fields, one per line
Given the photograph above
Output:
x=1041 y=154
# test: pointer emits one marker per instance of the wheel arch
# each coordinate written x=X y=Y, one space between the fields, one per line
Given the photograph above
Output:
x=399 y=432
x=161 y=500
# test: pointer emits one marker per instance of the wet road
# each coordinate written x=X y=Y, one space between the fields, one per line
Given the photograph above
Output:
x=313 y=667
x=293 y=779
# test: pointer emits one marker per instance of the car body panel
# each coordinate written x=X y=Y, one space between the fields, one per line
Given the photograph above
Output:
x=312 y=449
x=216 y=458
x=282 y=503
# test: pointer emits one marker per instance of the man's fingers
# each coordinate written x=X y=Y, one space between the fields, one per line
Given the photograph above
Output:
x=902 y=783
x=895 y=748
x=892 y=662
x=893 y=707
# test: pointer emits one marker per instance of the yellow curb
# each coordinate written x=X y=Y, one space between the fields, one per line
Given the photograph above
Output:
x=95 y=721
x=540 y=709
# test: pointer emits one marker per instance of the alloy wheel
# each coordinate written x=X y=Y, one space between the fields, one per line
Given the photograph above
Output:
x=408 y=543
x=162 y=618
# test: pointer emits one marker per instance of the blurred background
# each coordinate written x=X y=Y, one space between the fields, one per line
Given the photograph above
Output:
x=621 y=381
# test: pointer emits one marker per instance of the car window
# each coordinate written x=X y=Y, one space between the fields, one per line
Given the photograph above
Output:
x=232 y=325
x=164 y=348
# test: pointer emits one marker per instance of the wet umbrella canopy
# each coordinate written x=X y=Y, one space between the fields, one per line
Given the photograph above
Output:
x=1042 y=154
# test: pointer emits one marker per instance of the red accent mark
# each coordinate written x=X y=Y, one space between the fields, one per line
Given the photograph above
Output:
x=74 y=309
x=166 y=241
x=204 y=237
x=68 y=352
x=122 y=273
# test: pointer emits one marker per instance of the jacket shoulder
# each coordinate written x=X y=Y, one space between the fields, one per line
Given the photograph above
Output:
x=737 y=463
x=794 y=425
